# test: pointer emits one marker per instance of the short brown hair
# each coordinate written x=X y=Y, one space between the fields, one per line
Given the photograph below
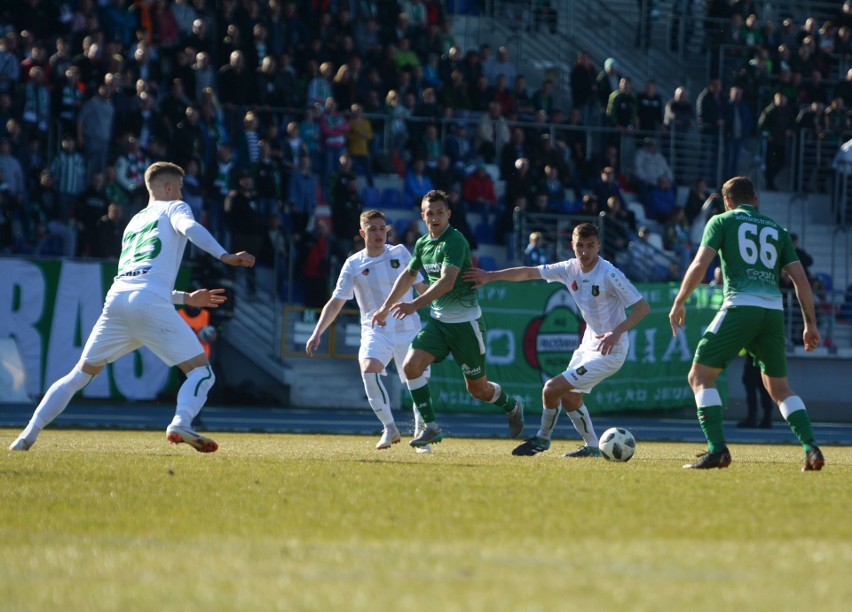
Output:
x=740 y=190
x=161 y=168
x=369 y=215
x=587 y=230
x=436 y=195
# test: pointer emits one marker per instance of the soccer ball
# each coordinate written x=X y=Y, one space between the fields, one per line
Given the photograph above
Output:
x=617 y=444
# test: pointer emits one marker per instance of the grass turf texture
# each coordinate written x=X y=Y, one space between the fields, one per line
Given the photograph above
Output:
x=93 y=520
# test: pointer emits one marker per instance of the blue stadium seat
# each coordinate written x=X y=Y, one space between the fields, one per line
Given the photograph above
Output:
x=370 y=198
x=487 y=263
x=484 y=233
x=392 y=198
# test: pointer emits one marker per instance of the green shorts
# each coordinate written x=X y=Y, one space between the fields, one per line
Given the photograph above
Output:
x=466 y=342
x=759 y=330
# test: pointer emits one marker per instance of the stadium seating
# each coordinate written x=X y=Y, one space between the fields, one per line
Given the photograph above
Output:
x=370 y=198
x=486 y=262
x=392 y=198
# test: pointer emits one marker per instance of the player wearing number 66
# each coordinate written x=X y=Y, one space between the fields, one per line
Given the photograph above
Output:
x=754 y=250
x=139 y=310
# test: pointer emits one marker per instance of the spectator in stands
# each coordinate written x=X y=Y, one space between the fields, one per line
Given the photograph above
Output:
x=648 y=166
x=776 y=123
x=663 y=200
x=244 y=221
x=607 y=81
x=460 y=150
x=677 y=238
x=583 y=86
x=13 y=173
x=443 y=176
x=804 y=256
x=621 y=109
x=108 y=233
x=501 y=64
x=535 y=254
x=94 y=129
x=590 y=206
x=650 y=106
x=753 y=383
x=345 y=200
x=739 y=124
x=459 y=217
x=479 y=195
x=607 y=186
x=130 y=172
x=516 y=148
x=36 y=105
x=492 y=132
x=68 y=170
x=417 y=183
x=552 y=187
x=524 y=109
x=620 y=229
x=91 y=204
x=427 y=147
x=679 y=115
x=316 y=264
x=333 y=127
x=267 y=180
x=709 y=112
x=302 y=197
x=44 y=206
x=698 y=194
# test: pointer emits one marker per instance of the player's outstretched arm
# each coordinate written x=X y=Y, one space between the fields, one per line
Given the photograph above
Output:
x=810 y=335
x=329 y=313
x=522 y=273
x=242 y=259
x=206 y=298
x=694 y=275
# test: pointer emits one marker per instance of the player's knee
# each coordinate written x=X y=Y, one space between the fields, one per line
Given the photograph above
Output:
x=412 y=369
x=551 y=392
x=480 y=389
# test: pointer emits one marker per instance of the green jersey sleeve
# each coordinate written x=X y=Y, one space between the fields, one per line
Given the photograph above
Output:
x=456 y=252
x=416 y=262
x=713 y=235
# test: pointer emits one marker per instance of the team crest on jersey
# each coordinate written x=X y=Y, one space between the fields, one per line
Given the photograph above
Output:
x=394 y=263
x=574 y=286
x=365 y=271
x=596 y=290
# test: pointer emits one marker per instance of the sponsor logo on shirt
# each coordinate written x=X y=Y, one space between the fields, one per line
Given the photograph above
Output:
x=581 y=370
x=394 y=263
x=469 y=371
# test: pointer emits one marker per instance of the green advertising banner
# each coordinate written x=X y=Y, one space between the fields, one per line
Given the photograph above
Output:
x=49 y=307
x=534 y=327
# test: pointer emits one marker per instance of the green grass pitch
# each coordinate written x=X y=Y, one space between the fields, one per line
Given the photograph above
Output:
x=102 y=520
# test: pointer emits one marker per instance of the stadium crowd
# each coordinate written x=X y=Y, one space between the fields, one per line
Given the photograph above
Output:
x=281 y=110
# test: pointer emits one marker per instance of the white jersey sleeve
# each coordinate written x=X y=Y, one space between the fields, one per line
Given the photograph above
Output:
x=623 y=288
x=559 y=272
x=186 y=225
x=345 y=287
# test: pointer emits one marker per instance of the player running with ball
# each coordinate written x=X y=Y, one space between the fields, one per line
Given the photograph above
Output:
x=602 y=293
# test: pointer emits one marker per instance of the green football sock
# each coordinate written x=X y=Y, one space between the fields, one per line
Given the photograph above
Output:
x=800 y=423
x=710 y=419
x=423 y=402
x=505 y=402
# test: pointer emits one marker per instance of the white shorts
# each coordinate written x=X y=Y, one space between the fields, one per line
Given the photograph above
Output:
x=133 y=319
x=589 y=367
x=383 y=346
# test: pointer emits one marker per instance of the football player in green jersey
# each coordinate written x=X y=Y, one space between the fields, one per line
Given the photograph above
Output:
x=754 y=250
x=455 y=325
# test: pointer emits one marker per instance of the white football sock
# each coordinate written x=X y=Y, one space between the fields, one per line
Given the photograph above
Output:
x=582 y=422
x=54 y=402
x=548 y=422
x=377 y=395
x=192 y=395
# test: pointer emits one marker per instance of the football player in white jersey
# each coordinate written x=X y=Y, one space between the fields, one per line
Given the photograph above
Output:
x=602 y=293
x=139 y=310
x=369 y=275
